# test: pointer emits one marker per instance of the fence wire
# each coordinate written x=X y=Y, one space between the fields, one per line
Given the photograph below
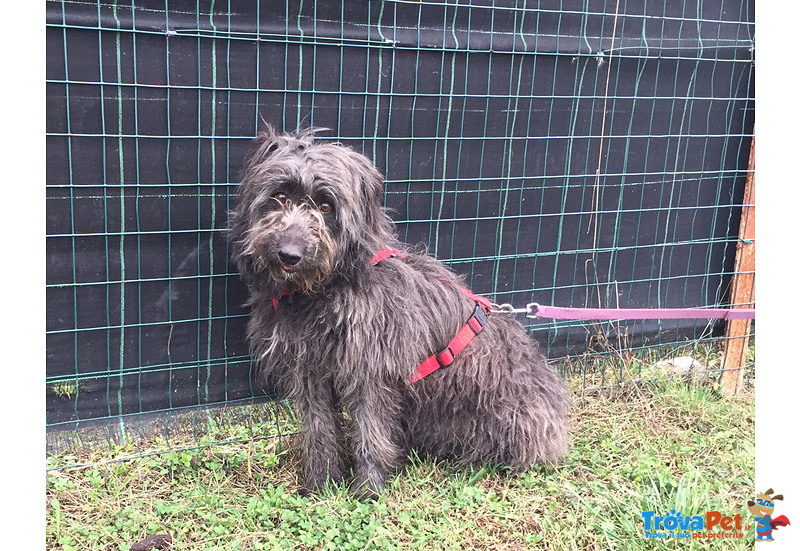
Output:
x=573 y=153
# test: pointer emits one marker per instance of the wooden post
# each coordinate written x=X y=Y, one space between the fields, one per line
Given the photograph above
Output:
x=737 y=333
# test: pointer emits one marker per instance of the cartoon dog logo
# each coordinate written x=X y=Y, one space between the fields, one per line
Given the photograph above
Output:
x=762 y=509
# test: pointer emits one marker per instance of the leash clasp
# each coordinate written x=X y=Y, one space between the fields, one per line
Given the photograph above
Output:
x=505 y=308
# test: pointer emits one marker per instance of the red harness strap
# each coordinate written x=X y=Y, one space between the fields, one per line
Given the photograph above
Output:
x=384 y=254
x=447 y=355
x=464 y=336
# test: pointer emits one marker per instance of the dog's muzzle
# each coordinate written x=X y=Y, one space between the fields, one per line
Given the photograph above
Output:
x=289 y=256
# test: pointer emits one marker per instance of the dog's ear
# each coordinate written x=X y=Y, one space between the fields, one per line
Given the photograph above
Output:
x=371 y=180
x=372 y=186
x=247 y=272
x=264 y=144
x=779 y=497
x=237 y=228
x=364 y=221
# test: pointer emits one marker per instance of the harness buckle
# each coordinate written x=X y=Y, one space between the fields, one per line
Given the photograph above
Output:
x=477 y=320
x=445 y=356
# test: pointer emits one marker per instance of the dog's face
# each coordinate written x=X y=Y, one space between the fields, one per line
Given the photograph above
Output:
x=303 y=209
x=764 y=504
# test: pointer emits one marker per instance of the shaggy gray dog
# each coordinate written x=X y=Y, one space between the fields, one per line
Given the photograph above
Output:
x=341 y=329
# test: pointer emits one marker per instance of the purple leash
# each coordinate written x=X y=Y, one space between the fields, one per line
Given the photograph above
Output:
x=534 y=310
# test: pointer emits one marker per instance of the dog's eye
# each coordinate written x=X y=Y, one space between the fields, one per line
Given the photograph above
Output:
x=325 y=207
x=280 y=197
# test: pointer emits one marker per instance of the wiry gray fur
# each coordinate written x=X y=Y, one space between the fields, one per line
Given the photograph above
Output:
x=350 y=335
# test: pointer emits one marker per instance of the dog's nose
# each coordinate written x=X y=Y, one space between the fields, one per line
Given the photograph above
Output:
x=289 y=257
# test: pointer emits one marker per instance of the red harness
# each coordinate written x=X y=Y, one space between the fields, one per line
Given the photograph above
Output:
x=447 y=355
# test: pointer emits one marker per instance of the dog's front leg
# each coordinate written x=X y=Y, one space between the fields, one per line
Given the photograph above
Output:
x=377 y=439
x=322 y=449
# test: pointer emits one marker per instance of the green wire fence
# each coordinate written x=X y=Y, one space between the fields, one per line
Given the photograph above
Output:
x=589 y=154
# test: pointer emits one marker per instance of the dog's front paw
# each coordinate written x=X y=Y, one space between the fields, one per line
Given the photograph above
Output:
x=366 y=490
x=364 y=494
x=326 y=486
x=305 y=492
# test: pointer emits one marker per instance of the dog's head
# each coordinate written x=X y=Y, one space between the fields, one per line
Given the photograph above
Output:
x=305 y=209
x=764 y=504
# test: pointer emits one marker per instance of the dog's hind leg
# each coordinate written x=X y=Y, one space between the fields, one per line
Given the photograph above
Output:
x=535 y=429
x=322 y=450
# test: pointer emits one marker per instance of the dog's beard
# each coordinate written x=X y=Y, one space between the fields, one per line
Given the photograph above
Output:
x=317 y=264
x=303 y=279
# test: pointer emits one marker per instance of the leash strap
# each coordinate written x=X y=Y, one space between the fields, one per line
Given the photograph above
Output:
x=558 y=312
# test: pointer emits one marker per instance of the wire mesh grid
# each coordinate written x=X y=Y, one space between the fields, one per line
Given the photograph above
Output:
x=575 y=153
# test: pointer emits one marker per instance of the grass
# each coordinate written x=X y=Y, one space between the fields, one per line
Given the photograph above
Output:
x=660 y=447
